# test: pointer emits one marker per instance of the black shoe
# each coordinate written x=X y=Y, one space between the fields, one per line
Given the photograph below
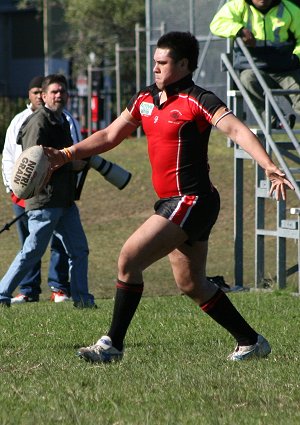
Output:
x=291 y=119
x=81 y=305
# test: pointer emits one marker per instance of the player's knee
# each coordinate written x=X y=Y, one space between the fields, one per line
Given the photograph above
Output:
x=186 y=286
x=126 y=262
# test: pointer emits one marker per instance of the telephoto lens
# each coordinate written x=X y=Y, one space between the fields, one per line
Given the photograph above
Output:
x=113 y=173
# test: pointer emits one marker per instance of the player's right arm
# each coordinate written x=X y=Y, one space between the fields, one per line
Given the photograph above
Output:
x=99 y=142
x=239 y=133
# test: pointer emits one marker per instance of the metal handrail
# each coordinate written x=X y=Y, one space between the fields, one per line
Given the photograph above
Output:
x=268 y=94
x=268 y=138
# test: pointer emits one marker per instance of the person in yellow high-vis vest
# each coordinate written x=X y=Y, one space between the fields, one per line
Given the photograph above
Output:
x=271 y=31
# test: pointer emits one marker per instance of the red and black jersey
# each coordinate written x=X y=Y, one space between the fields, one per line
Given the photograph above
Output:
x=177 y=132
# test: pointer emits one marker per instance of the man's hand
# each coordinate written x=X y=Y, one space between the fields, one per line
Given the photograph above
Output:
x=56 y=158
x=279 y=183
x=247 y=37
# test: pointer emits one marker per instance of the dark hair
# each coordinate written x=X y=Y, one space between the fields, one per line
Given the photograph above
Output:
x=182 y=45
x=36 y=82
x=54 y=78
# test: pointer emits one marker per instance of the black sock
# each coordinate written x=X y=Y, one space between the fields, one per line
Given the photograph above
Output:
x=220 y=308
x=126 y=302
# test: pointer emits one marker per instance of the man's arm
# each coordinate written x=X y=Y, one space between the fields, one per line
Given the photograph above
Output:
x=228 y=20
x=295 y=28
x=11 y=150
x=99 y=142
x=240 y=134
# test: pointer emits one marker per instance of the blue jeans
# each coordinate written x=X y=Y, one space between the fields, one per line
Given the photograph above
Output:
x=30 y=285
x=58 y=274
x=66 y=225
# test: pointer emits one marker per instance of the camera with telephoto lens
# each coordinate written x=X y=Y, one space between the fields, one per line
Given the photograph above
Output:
x=113 y=173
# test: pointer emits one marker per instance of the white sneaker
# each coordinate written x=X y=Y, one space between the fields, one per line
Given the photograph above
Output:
x=261 y=349
x=21 y=299
x=102 y=351
x=59 y=297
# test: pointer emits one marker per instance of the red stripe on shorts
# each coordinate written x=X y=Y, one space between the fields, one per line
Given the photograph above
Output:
x=183 y=209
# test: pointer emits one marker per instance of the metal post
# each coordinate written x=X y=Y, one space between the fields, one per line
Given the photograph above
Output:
x=192 y=16
x=45 y=34
x=118 y=77
x=107 y=92
x=259 y=224
x=297 y=211
x=238 y=203
x=137 y=57
x=137 y=65
x=281 y=247
x=238 y=220
x=118 y=82
x=148 y=12
x=89 y=99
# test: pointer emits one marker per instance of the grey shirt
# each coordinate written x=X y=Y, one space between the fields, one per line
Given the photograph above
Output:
x=43 y=128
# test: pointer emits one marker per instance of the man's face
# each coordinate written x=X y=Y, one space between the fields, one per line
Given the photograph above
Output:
x=55 y=97
x=35 y=97
x=262 y=4
x=166 y=70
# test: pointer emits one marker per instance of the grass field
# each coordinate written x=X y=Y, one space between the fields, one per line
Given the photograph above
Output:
x=174 y=370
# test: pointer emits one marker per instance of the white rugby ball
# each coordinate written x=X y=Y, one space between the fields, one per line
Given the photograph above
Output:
x=30 y=173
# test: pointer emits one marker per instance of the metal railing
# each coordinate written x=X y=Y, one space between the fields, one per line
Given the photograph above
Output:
x=264 y=127
x=284 y=228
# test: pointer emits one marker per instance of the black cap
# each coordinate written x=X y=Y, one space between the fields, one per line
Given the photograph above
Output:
x=36 y=82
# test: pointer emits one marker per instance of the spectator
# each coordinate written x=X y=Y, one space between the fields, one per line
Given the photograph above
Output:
x=54 y=209
x=177 y=117
x=58 y=274
x=271 y=31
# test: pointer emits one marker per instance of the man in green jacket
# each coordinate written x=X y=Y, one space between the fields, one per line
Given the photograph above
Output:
x=271 y=31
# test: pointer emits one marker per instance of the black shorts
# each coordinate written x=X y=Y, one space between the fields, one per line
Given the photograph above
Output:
x=195 y=214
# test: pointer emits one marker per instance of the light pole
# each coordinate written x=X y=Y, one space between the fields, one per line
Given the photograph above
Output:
x=45 y=35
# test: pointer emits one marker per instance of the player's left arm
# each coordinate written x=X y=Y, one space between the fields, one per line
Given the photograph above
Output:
x=240 y=134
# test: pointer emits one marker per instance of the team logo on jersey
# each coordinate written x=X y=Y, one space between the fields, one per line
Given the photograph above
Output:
x=155 y=119
x=146 y=108
x=174 y=116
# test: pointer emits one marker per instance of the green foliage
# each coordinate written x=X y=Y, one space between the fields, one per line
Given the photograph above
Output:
x=174 y=370
x=79 y=27
x=96 y=25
